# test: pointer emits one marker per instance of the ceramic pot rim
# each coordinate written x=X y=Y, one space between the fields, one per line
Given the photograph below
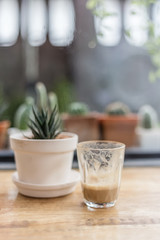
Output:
x=21 y=144
x=21 y=137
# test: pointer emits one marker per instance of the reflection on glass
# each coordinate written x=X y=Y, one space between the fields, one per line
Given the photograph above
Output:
x=61 y=22
x=156 y=18
x=9 y=22
x=108 y=29
x=34 y=21
x=135 y=21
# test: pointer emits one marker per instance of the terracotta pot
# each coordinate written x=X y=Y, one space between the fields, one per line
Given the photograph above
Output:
x=4 y=125
x=86 y=127
x=44 y=161
x=119 y=128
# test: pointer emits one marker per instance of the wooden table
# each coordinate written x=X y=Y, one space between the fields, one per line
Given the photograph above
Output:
x=135 y=216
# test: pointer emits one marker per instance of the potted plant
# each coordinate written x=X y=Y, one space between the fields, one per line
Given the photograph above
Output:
x=148 y=130
x=44 y=155
x=80 y=121
x=24 y=111
x=119 y=124
x=4 y=125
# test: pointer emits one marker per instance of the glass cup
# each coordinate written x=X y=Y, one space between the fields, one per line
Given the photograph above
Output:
x=100 y=164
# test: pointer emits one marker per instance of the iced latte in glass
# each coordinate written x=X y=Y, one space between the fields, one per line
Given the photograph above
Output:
x=100 y=164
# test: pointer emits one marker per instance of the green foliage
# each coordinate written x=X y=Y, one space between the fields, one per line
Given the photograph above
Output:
x=52 y=100
x=148 y=117
x=92 y=4
x=117 y=108
x=43 y=101
x=23 y=114
x=78 y=108
x=45 y=125
x=46 y=122
x=147 y=121
x=153 y=44
x=65 y=94
x=15 y=101
x=99 y=10
x=3 y=109
x=153 y=48
x=128 y=33
x=3 y=106
x=143 y=2
x=42 y=97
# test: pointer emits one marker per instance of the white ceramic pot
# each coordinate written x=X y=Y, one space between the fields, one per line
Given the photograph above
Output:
x=149 y=139
x=43 y=161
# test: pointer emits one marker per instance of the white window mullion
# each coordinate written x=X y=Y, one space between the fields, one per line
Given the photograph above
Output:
x=108 y=29
x=61 y=22
x=156 y=18
x=34 y=21
x=9 y=22
x=135 y=22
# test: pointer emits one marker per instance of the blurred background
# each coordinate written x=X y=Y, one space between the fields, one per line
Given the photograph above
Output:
x=80 y=55
x=55 y=42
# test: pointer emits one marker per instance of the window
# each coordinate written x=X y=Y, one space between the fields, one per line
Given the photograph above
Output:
x=61 y=22
x=34 y=21
x=156 y=18
x=109 y=28
x=56 y=40
x=9 y=22
x=135 y=21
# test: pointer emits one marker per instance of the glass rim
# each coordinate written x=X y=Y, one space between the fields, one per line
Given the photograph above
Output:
x=81 y=145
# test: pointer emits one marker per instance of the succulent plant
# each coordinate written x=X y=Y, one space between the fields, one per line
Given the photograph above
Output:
x=117 y=108
x=46 y=122
x=148 y=117
x=78 y=108
x=23 y=114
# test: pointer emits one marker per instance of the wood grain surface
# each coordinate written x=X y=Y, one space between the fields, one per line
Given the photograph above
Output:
x=135 y=216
